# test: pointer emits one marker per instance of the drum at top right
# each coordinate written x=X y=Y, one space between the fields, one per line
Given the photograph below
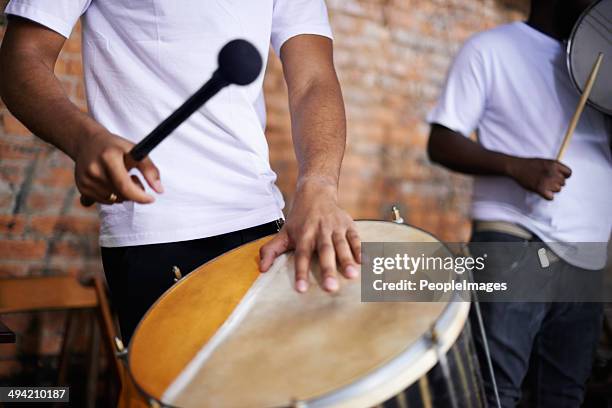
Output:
x=592 y=35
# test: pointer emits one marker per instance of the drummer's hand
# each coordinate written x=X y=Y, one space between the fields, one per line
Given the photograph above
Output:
x=101 y=170
x=317 y=223
x=542 y=176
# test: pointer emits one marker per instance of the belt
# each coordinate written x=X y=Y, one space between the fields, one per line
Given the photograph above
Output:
x=545 y=255
x=503 y=227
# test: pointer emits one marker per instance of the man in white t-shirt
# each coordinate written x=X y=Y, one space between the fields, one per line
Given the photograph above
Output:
x=511 y=85
x=211 y=187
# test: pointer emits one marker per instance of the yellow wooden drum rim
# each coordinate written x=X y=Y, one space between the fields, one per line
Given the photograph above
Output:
x=153 y=373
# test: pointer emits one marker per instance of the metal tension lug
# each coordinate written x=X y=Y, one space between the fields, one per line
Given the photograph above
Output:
x=120 y=350
x=177 y=273
x=434 y=337
x=397 y=217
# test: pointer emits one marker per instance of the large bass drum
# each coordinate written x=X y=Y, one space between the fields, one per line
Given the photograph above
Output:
x=228 y=336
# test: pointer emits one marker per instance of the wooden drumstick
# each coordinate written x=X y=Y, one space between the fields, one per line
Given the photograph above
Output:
x=581 y=104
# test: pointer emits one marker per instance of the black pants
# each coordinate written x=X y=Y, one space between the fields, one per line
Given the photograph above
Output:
x=138 y=275
x=556 y=341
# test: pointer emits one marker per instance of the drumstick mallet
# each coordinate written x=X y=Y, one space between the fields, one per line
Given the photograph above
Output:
x=239 y=63
x=581 y=104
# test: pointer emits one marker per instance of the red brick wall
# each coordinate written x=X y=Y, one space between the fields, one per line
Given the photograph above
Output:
x=391 y=56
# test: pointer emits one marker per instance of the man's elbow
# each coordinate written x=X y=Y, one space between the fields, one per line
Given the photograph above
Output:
x=324 y=86
x=5 y=73
x=11 y=67
x=434 y=149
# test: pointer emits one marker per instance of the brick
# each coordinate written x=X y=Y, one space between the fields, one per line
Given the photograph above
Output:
x=45 y=201
x=72 y=45
x=67 y=249
x=22 y=249
x=13 y=173
x=78 y=225
x=56 y=177
x=14 y=151
x=80 y=92
x=12 y=126
x=12 y=224
x=69 y=66
x=43 y=224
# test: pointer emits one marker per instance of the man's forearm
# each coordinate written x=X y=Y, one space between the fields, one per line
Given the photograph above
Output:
x=319 y=131
x=545 y=177
x=316 y=224
x=35 y=96
x=458 y=153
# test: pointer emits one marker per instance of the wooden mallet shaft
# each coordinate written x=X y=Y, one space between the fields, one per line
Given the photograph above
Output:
x=581 y=104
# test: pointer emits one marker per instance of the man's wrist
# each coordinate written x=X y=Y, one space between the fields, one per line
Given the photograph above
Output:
x=86 y=132
x=308 y=183
x=509 y=165
x=318 y=180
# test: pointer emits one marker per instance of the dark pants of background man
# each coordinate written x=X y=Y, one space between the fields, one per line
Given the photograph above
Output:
x=560 y=338
x=138 y=275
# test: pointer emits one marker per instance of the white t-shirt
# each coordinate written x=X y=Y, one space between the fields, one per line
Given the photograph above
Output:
x=143 y=59
x=511 y=84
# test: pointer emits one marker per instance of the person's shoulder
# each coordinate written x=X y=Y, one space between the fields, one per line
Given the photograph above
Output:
x=489 y=41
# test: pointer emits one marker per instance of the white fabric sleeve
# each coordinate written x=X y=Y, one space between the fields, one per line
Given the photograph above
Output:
x=464 y=97
x=57 y=15
x=295 y=17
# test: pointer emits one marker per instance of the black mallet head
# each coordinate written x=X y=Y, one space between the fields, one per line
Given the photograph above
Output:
x=239 y=62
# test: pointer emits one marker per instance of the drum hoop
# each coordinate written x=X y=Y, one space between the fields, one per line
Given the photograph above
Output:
x=398 y=365
x=568 y=59
x=373 y=380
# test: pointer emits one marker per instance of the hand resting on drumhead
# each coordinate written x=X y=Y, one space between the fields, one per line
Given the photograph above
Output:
x=317 y=224
x=457 y=152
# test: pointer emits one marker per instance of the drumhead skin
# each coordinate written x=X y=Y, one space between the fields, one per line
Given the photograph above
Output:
x=590 y=36
x=228 y=336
